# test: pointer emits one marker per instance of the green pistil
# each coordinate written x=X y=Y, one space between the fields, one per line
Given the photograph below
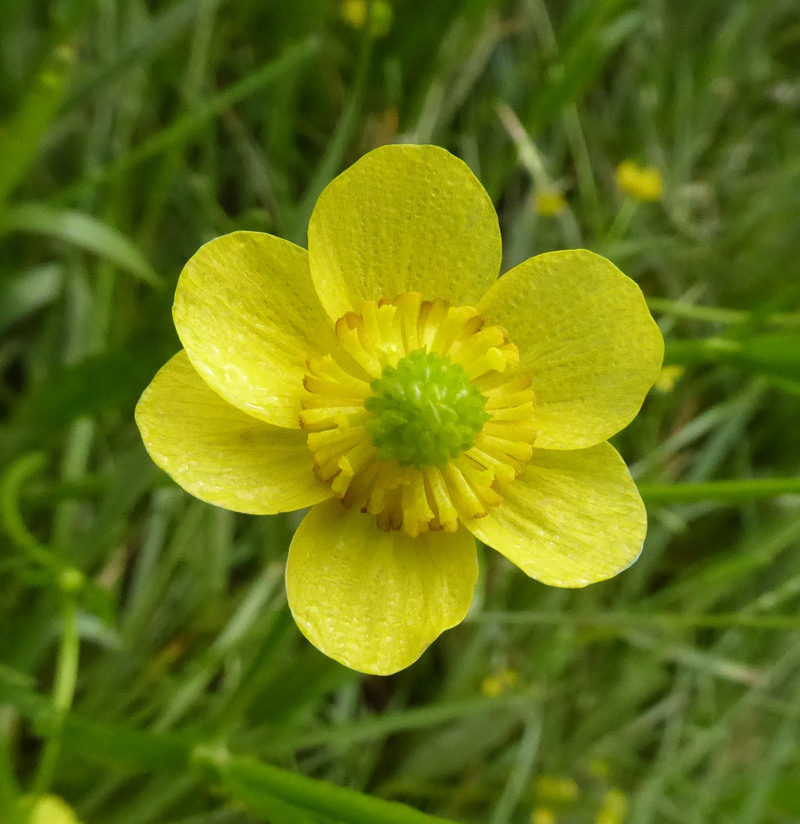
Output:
x=426 y=411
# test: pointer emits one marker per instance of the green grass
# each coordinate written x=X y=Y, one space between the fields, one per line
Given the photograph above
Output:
x=167 y=683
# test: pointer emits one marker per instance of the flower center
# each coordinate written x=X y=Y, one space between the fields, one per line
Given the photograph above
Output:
x=426 y=411
x=421 y=416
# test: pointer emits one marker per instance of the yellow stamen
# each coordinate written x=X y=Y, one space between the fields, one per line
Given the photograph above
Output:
x=409 y=497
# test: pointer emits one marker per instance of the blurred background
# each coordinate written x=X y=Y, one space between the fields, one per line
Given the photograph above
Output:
x=143 y=631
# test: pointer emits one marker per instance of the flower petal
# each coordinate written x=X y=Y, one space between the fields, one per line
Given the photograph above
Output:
x=374 y=600
x=587 y=339
x=403 y=219
x=220 y=454
x=248 y=316
x=573 y=518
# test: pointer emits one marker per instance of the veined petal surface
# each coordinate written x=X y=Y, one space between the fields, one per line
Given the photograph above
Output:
x=374 y=600
x=220 y=454
x=403 y=219
x=586 y=338
x=574 y=518
x=249 y=318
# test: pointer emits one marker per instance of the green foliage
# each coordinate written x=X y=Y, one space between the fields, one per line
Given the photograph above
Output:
x=150 y=671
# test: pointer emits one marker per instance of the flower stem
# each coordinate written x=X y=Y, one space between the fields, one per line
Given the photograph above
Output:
x=622 y=221
x=63 y=693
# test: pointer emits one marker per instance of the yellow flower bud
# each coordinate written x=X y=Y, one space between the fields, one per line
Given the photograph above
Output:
x=549 y=202
x=499 y=683
x=614 y=807
x=543 y=815
x=556 y=788
x=668 y=377
x=640 y=182
x=356 y=13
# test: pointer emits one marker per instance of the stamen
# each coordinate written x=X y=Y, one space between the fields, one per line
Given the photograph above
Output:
x=422 y=417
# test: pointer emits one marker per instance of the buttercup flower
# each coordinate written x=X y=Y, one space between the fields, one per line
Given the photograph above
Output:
x=549 y=202
x=556 y=788
x=668 y=377
x=543 y=815
x=499 y=682
x=357 y=13
x=640 y=182
x=613 y=808
x=388 y=380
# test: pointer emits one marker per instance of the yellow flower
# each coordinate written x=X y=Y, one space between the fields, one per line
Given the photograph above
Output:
x=549 y=202
x=386 y=378
x=640 y=182
x=556 y=788
x=668 y=377
x=499 y=682
x=613 y=808
x=356 y=13
x=48 y=809
x=543 y=815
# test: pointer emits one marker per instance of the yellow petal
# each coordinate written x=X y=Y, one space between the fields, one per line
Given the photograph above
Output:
x=403 y=219
x=374 y=600
x=573 y=518
x=220 y=454
x=249 y=318
x=587 y=339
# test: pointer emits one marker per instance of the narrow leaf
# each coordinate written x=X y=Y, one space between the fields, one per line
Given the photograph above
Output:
x=21 y=296
x=257 y=785
x=19 y=140
x=81 y=230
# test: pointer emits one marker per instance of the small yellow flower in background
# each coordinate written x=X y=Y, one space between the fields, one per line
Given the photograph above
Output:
x=613 y=808
x=356 y=13
x=543 y=815
x=549 y=202
x=556 y=788
x=668 y=377
x=48 y=809
x=388 y=380
x=640 y=182
x=499 y=682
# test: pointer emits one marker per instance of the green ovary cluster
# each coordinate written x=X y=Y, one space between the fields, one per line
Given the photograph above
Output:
x=426 y=411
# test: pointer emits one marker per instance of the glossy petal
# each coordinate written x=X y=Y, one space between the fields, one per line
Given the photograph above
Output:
x=220 y=454
x=403 y=219
x=587 y=339
x=573 y=518
x=374 y=600
x=248 y=316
